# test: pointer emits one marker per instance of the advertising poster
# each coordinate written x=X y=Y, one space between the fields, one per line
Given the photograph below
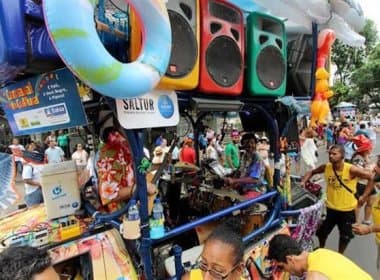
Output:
x=155 y=109
x=43 y=103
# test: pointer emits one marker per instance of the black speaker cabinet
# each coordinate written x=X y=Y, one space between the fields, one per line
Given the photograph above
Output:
x=300 y=59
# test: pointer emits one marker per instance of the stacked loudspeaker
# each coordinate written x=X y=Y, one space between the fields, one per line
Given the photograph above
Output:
x=222 y=48
x=208 y=49
x=266 y=57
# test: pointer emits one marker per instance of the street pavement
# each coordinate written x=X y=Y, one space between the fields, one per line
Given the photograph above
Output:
x=362 y=249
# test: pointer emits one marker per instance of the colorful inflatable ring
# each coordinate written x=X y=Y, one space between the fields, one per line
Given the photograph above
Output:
x=73 y=32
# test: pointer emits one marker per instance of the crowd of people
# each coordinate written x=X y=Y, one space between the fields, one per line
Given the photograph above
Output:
x=350 y=177
x=30 y=160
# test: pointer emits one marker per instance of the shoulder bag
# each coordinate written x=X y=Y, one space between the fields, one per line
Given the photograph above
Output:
x=343 y=185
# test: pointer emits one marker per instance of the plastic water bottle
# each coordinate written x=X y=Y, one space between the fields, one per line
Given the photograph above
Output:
x=131 y=223
x=133 y=211
x=157 y=229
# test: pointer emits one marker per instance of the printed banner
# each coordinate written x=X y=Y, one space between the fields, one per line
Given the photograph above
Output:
x=43 y=103
x=155 y=109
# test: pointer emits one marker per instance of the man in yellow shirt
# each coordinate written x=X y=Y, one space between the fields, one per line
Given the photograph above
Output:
x=322 y=264
x=341 y=180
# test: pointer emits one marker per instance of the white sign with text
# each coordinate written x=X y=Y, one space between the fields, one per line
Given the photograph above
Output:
x=155 y=109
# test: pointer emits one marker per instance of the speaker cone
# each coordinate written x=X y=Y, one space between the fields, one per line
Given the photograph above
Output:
x=184 y=47
x=270 y=67
x=224 y=61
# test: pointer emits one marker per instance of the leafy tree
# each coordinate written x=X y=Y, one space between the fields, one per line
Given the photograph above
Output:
x=348 y=60
x=366 y=80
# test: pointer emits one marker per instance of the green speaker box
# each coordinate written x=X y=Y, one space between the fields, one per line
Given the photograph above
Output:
x=266 y=55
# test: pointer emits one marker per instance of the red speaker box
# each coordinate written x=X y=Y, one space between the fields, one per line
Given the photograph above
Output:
x=222 y=48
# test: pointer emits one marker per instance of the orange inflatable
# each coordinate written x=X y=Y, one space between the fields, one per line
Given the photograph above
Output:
x=320 y=108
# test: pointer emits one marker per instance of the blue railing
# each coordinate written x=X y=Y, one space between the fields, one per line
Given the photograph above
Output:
x=189 y=226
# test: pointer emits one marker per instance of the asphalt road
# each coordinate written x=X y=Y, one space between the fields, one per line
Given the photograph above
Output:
x=362 y=249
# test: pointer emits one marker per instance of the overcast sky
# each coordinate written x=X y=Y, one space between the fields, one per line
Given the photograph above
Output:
x=371 y=10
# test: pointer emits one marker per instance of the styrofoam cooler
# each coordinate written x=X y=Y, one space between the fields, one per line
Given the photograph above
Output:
x=60 y=189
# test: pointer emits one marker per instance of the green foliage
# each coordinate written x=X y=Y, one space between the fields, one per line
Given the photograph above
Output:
x=358 y=70
x=340 y=91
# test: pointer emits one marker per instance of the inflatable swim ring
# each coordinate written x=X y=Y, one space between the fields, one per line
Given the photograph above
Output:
x=72 y=29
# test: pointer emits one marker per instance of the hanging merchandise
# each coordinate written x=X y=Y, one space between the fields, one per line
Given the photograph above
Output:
x=75 y=37
x=320 y=108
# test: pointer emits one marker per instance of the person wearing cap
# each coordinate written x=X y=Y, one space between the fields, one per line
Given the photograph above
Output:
x=252 y=168
x=231 y=152
x=187 y=153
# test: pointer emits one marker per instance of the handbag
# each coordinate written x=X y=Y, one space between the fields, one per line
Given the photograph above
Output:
x=343 y=185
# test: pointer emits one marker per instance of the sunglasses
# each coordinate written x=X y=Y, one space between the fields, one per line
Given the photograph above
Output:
x=216 y=274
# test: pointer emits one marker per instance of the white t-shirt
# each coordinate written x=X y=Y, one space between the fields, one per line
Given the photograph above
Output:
x=17 y=151
x=212 y=153
x=371 y=133
x=80 y=158
x=30 y=171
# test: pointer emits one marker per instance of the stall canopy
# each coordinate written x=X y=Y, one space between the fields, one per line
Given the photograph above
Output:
x=345 y=105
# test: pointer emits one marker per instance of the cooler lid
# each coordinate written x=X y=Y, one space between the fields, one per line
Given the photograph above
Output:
x=58 y=168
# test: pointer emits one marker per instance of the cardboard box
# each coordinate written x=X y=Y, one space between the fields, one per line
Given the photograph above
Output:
x=60 y=189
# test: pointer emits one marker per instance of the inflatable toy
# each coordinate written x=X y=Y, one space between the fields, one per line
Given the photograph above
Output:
x=326 y=39
x=343 y=31
x=71 y=27
x=24 y=42
x=320 y=107
x=8 y=194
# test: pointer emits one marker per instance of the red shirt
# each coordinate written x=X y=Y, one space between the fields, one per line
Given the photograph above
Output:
x=188 y=155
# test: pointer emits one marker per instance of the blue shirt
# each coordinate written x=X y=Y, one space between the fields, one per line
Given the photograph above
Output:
x=329 y=134
x=54 y=155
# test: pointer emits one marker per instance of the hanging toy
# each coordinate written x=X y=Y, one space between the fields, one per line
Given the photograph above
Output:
x=320 y=108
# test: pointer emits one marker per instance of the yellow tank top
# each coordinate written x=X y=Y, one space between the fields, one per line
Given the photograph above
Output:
x=335 y=266
x=376 y=216
x=338 y=198
x=196 y=274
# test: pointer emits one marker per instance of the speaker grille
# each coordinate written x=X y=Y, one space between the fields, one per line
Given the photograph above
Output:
x=270 y=67
x=184 y=47
x=224 y=61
